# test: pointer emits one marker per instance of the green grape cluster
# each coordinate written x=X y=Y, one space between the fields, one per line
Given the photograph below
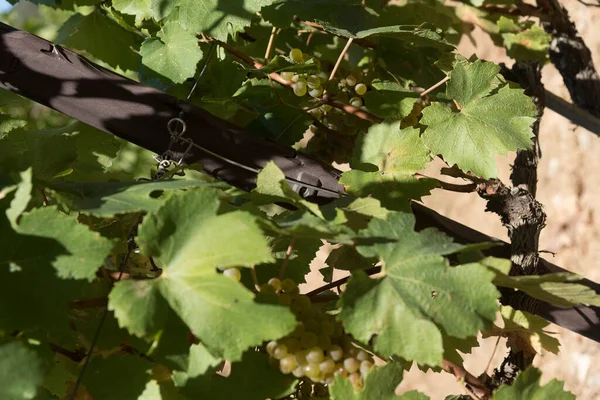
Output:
x=318 y=349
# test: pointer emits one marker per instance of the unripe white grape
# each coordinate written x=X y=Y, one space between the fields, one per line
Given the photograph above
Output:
x=356 y=102
x=328 y=380
x=293 y=345
x=326 y=327
x=271 y=346
x=323 y=77
x=308 y=339
x=298 y=372
x=316 y=113
x=312 y=370
x=323 y=341
x=313 y=81
x=287 y=364
x=313 y=128
x=352 y=351
x=316 y=92
x=355 y=380
x=280 y=351
x=326 y=107
x=233 y=273
x=285 y=299
x=276 y=283
x=287 y=75
x=296 y=55
x=351 y=364
x=350 y=80
x=296 y=78
x=288 y=285
x=360 y=89
x=300 y=88
x=336 y=353
x=301 y=357
x=365 y=367
x=362 y=355
x=312 y=325
x=327 y=366
x=315 y=355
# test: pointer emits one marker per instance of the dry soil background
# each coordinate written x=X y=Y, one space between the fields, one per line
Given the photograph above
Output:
x=569 y=189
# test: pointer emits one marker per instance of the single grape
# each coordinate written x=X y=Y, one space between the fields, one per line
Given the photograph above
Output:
x=351 y=350
x=293 y=345
x=312 y=370
x=313 y=82
x=312 y=325
x=328 y=380
x=297 y=77
x=365 y=367
x=356 y=102
x=280 y=351
x=316 y=92
x=323 y=341
x=351 y=364
x=276 y=283
x=308 y=339
x=350 y=80
x=326 y=327
x=355 y=380
x=327 y=366
x=266 y=288
x=296 y=55
x=288 y=285
x=233 y=273
x=326 y=107
x=317 y=113
x=299 y=331
x=323 y=77
x=313 y=128
x=287 y=364
x=300 y=88
x=336 y=353
x=298 y=372
x=285 y=299
x=315 y=355
x=271 y=346
x=288 y=76
x=360 y=89
x=362 y=355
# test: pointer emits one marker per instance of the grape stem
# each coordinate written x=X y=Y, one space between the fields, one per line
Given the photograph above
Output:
x=432 y=88
x=362 y=114
x=337 y=63
x=286 y=260
x=270 y=45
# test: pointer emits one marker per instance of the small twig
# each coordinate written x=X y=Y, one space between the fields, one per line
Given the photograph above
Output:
x=457 y=173
x=255 y=279
x=487 y=367
x=340 y=282
x=337 y=63
x=270 y=45
x=432 y=88
x=46 y=202
x=286 y=260
x=477 y=388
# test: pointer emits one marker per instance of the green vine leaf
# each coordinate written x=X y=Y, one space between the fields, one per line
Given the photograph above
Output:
x=22 y=197
x=174 y=53
x=217 y=18
x=8 y=123
x=424 y=289
x=106 y=199
x=384 y=162
x=380 y=384
x=118 y=47
x=390 y=100
x=21 y=372
x=190 y=254
x=558 y=288
x=490 y=120
x=524 y=41
x=251 y=378
x=127 y=374
x=73 y=250
x=527 y=387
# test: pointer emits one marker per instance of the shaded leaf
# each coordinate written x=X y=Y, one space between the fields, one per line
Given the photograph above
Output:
x=21 y=372
x=527 y=387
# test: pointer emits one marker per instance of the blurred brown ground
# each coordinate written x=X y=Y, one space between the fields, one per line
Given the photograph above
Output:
x=569 y=189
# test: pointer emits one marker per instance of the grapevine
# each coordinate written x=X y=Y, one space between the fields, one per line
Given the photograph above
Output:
x=126 y=274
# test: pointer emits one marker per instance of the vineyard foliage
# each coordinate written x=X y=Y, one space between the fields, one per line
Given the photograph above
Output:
x=199 y=278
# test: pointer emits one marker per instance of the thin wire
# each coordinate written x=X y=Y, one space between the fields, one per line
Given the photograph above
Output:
x=211 y=51
x=256 y=171
x=100 y=325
